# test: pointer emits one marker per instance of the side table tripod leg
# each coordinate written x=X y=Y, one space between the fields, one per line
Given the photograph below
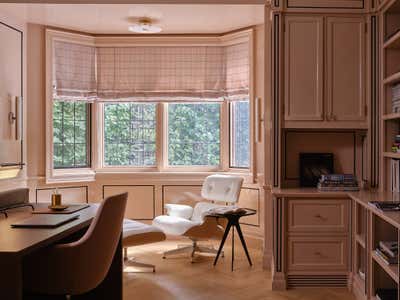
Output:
x=243 y=242
x=221 y=246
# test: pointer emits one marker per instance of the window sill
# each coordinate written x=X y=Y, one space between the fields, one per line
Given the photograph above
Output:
x=71 y=175
x=164 y=175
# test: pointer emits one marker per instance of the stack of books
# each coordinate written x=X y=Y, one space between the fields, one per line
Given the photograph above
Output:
x=386 y=294
x=396 y=144
x=396 y=98
x=386 y=205
x=395 y=175
x=338 y=182
x=388 y=251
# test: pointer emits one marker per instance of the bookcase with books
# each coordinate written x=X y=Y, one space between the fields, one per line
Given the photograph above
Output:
x=385 y=260
x=382 y=255
x=390 y=93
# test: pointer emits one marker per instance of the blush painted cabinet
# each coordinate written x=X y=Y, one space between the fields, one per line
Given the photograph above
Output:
x=324 y=72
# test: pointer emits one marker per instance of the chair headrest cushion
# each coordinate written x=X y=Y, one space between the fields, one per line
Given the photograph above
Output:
x=224 y=188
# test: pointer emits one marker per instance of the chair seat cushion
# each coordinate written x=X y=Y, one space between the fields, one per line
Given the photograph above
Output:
x=174 y=225
x=179 y=210
x=136 y=233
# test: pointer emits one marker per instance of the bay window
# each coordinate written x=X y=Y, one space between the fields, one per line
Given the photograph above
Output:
x=156 y=106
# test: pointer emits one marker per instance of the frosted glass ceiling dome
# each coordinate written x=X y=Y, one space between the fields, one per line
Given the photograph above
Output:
x=145 y=25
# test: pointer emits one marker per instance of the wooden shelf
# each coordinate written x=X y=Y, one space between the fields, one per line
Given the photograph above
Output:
x=392 y=78
x=391 y=155
x=391 y=270
x=360 y=240
x=393 y=42
x=392 y=116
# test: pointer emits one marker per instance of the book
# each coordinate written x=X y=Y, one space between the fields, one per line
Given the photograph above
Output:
x=386 y=294
x=386 y=258
x=389 y=247
x=225 y=210
x=386 y=205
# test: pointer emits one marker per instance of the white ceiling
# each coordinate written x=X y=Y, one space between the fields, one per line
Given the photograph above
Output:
x=115 y=18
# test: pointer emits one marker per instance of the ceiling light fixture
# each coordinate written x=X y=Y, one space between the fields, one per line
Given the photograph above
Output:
x=145 y=25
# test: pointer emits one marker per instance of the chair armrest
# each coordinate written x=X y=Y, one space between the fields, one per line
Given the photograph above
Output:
x=179 y=210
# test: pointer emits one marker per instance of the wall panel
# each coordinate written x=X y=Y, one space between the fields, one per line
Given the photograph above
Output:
x=141 y=200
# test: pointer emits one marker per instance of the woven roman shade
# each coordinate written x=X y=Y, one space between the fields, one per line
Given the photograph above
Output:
x=74 y=72
x=170 y=73
x=237 y=71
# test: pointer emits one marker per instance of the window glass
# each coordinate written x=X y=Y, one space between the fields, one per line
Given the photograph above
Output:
x=71 y=134
x=240 y=134
x=130 y=134
x=194 y=134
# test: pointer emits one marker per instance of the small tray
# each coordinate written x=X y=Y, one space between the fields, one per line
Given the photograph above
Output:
x=58 y=207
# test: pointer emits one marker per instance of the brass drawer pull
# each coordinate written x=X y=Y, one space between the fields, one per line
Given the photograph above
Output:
x=318 y=216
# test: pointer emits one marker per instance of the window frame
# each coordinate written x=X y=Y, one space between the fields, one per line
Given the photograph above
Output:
x=88 y=140
x=78 y=174
x=101 y=144
x=231 y=138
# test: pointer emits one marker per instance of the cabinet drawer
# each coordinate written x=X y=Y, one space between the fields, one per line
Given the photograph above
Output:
x=321 y=215
x=317 y=254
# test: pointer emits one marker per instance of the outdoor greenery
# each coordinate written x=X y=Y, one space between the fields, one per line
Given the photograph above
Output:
x=240 y=134
x=70 y=134
x=194 y=134
x=130 y=134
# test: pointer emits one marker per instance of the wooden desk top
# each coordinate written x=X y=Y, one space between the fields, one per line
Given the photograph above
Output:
x=20 y=241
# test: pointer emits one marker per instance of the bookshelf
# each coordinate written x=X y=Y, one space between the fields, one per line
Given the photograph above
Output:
x=390 y=78
x=381 y=275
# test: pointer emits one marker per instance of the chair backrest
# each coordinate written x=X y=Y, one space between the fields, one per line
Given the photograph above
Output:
x=222 y=188
x=95 y=251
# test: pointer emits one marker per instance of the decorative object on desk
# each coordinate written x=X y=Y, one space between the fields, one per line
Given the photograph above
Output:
x=312 y=166
x=62 y=211
x=56 y=199
x=338 y=183
x=386 y=205
x=386 y=294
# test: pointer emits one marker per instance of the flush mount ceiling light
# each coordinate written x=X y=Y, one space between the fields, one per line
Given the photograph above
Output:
x=144 y=25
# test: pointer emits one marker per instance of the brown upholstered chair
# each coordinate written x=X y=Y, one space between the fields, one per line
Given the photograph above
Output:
x=78 y=267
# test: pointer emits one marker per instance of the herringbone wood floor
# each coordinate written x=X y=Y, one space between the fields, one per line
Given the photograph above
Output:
x=179 y=279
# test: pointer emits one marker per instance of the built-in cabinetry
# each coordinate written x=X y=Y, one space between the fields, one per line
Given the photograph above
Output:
x=390 y=77
x=312 y=239
x=325 y=72
x=327 y=4
x=329 y=239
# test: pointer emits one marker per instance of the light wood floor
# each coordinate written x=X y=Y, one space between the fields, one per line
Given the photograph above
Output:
x=179 y=279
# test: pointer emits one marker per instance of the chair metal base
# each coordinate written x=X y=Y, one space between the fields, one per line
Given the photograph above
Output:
x=192 y=249
x=131 y=262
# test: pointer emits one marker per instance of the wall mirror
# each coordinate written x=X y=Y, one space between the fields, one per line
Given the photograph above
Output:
x=11 y=97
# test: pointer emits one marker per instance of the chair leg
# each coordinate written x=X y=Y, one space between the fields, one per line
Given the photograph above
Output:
x=132 y=262
x=187 y=249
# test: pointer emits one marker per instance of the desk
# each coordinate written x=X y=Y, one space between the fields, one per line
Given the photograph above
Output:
x=15 y=243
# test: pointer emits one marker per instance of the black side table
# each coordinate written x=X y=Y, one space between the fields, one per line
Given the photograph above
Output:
x=233 y=221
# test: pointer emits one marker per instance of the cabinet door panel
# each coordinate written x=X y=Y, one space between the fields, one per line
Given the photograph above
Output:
x=303 y=68
x=345 y=77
